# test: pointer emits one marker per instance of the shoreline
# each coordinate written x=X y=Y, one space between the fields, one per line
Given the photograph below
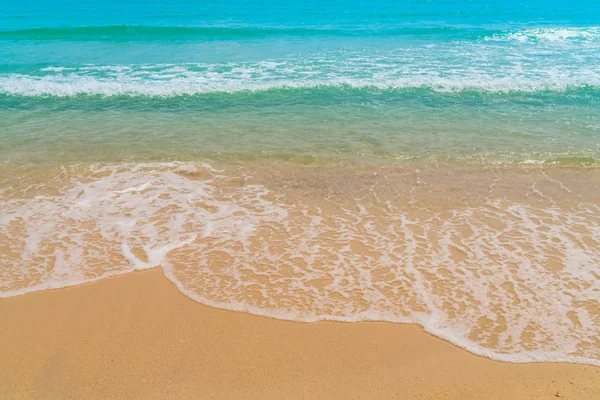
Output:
x=245 y=246
x=136 y=336
x=280 y=318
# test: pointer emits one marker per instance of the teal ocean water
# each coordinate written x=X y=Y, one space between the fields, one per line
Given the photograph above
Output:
x=429 y=162
x=456 y=80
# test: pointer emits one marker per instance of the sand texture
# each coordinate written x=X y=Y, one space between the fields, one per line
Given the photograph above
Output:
x=136 y=336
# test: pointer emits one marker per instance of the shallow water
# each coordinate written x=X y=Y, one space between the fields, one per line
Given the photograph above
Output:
x=397 y=161
x=502 y=261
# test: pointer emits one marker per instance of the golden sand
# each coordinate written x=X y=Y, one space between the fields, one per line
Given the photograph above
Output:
x=500 y=260
x=136 y=336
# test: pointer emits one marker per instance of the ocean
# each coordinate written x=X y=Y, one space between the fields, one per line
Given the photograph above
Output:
x=429 y=162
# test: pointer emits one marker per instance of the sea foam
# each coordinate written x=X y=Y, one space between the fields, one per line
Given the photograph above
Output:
x=503 y=276
x=558 y=34
x=164 y=86
x=484 y=66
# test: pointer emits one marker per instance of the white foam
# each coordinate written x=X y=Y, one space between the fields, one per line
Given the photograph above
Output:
x=495 y=68
x=240 y=246
x=73 y=85
x=55 y=69
x=585 y=34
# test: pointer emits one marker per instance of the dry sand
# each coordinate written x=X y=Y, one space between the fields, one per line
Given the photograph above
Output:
x=136 y=336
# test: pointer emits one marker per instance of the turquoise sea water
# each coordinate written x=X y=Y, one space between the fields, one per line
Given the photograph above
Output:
x=397 y=161
x=310 y=81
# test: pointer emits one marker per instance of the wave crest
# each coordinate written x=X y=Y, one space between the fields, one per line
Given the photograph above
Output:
x=586 y=34
x=171 y=83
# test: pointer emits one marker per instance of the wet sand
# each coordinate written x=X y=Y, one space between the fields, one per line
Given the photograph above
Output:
x=135 y=336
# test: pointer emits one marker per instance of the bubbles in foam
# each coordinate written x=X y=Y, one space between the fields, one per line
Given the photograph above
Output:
x=74 y=85
x=106 y=224
x=582 y=34
x=510 y=271
x=498 y=64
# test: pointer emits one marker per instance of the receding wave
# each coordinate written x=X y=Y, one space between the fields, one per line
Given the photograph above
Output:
x=508 y=271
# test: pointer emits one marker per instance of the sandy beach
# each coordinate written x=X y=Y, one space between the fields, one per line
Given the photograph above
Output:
x=135 y=336
x=299 y=200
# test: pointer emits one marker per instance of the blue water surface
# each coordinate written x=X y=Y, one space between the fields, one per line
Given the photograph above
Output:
x=453 y=80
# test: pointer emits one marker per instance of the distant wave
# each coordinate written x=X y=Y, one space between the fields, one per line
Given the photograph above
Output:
x=127 y=32
x=140 y=32
x=582 y=34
